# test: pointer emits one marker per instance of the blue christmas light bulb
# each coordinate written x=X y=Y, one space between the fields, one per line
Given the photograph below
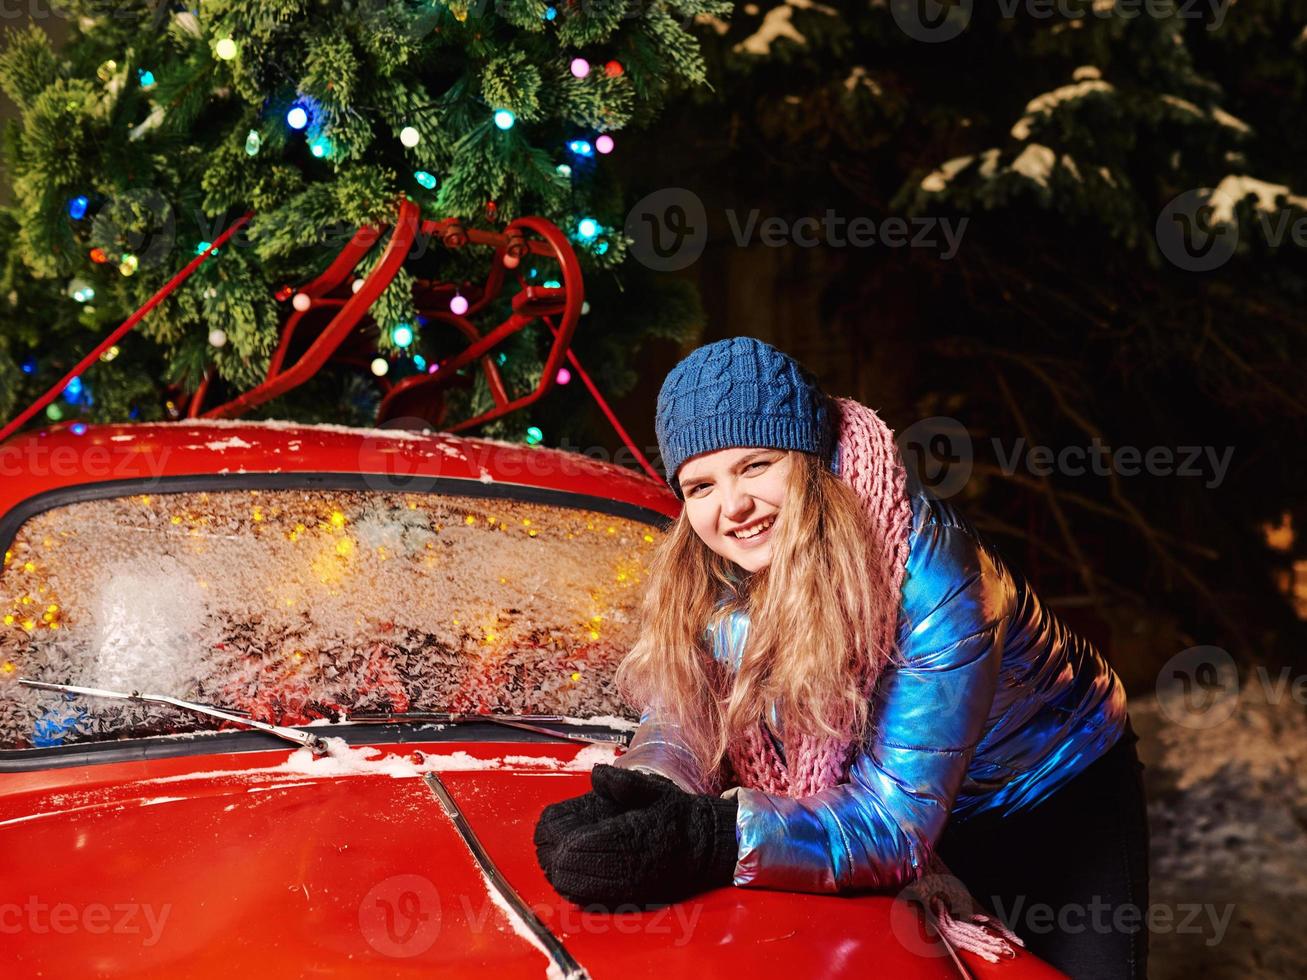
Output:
x=297 y=117
x=402 y=335
x=504 y=119
x=77 y=207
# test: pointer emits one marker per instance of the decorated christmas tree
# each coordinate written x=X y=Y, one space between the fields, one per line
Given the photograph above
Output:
x=156 y=127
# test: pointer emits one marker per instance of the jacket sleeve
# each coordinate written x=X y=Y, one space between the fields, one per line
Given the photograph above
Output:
x=657 y=747
x=928 y=714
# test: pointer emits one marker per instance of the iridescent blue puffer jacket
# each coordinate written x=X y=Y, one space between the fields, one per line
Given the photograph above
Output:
x=996 y=705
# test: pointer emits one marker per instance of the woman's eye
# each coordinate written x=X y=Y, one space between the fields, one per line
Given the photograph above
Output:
x=764 y=463
x=697 y=487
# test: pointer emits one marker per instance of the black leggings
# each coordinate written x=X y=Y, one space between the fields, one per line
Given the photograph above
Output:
x=1070 y=876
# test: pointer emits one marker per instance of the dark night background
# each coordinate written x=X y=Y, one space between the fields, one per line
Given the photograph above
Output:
x=1132 y=199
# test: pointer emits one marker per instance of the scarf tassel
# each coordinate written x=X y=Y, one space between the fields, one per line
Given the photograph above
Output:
x=957 y=916
x=973 y=934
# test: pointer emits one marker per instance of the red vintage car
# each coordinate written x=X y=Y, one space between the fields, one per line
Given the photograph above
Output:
x=425 y=628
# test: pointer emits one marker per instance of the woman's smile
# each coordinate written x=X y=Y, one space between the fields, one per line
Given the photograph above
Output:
x=754 y=534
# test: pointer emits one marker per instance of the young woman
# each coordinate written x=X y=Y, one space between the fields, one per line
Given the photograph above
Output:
x=848 y=689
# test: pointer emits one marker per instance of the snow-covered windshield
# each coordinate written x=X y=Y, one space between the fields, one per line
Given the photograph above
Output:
x=296 y=605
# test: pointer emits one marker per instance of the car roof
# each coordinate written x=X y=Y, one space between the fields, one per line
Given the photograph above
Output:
x=72 y=461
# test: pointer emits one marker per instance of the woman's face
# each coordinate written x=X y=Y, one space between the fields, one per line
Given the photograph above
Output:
x=732 y=497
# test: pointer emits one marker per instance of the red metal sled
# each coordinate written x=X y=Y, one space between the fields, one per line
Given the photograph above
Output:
x=308 y=343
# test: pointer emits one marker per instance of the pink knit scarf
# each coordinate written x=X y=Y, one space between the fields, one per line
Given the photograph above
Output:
x=869 y=462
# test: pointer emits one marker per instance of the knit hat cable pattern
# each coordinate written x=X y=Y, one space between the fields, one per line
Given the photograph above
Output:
x=738 y=392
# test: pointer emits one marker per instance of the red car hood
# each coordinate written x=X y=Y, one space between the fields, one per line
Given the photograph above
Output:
x=276 y=864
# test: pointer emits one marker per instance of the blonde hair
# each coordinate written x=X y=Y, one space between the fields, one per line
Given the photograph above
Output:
x=812 y=613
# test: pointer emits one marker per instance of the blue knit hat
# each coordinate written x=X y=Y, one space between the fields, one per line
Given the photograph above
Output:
x=739 y=392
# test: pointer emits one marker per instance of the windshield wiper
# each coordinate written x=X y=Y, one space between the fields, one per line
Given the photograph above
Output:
x=523 y=722
x=312 y=742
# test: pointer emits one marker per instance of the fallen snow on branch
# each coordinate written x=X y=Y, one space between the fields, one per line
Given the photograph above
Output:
x=1233 y=188
x=1035 y=163
x=777 y=24
x=938 y=179
x=1042 y=106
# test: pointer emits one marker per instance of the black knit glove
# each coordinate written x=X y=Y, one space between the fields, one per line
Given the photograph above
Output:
x=663 y=846
x=559 y=820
